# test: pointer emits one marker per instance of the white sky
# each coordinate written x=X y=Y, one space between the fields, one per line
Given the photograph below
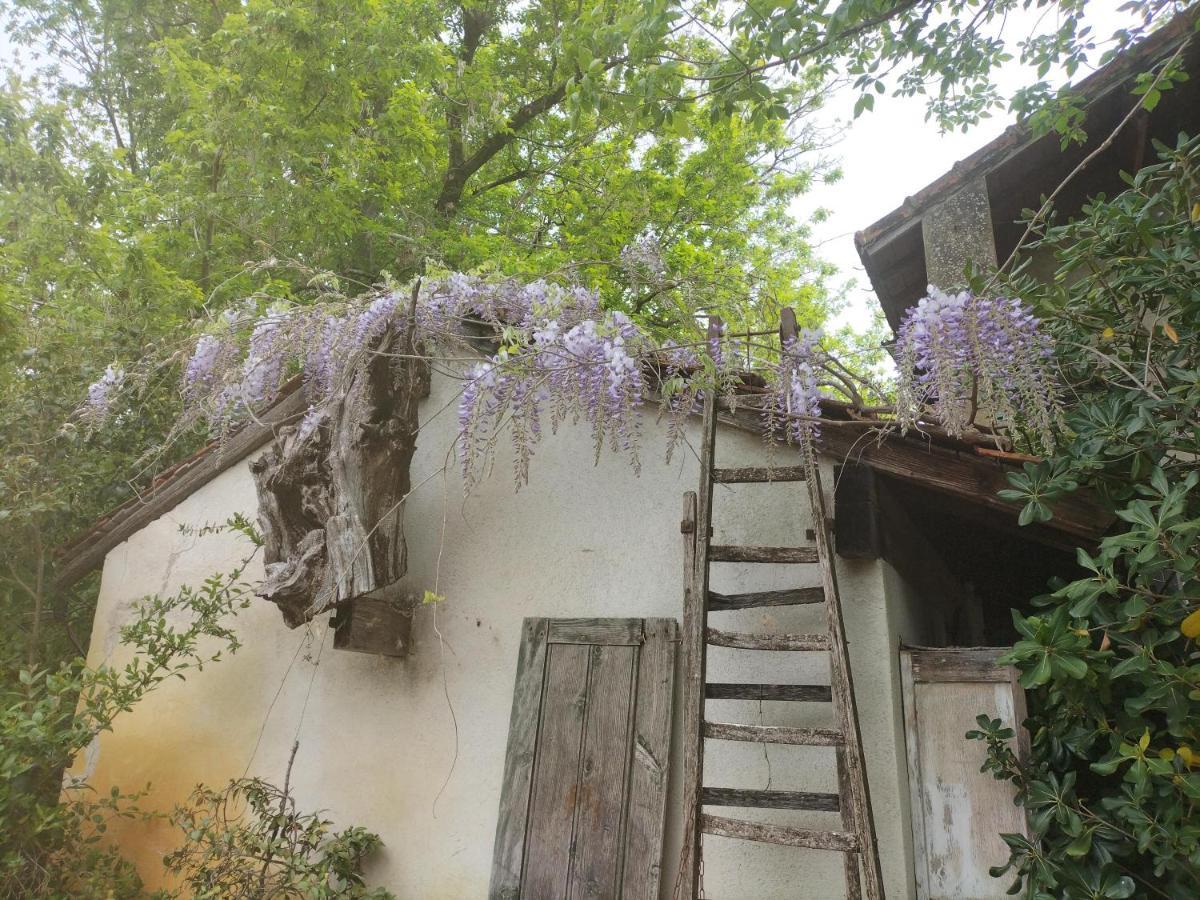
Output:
x=891 y=153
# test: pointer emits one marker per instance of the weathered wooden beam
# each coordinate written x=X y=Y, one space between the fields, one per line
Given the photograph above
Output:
x=803 y=693
x=752 y=641
x=331 y=493
x=732 y=553
x=965 y=475
x=956 y=472
x=791 y=597
x=696 y=528
x=773 y=734
x=852 y=776
x=756 y=799
x=628 y=632
x=778 y=834
x=758 y=474
x=959 y=664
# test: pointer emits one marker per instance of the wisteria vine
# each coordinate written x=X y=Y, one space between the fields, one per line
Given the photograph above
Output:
x=562 y=358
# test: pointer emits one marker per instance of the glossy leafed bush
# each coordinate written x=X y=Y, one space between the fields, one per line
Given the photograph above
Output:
x=1111 y=660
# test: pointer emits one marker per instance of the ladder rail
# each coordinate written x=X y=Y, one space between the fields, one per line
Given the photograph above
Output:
x=695 y=628
x=845 y=707
x=857 y=841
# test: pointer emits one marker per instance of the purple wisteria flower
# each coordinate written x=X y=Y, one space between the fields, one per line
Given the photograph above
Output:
x=590 y=371
x=642 y=258
x=962 y=356
x=795 y=398
x=101 y=395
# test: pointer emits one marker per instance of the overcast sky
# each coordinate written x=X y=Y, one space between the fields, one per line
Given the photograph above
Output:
x=891 y=153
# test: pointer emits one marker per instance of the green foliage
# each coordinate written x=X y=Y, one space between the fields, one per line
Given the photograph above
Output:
x=946 y=51
x=1111 y=661
x=249 y=842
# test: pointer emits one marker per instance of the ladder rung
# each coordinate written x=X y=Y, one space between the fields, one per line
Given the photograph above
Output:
x=745 y=641
x=728 y=553
x=805 y=693
x=779 y=834
x=791 y=597
x=757 y=474
x=770 y=799
x=773 y=734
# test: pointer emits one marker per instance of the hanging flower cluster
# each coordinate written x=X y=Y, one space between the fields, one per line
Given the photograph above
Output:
x=642 y=258
x=561 y=358
x=591 y=370
x=794 y=401
x=960 y=355
x=101 y=395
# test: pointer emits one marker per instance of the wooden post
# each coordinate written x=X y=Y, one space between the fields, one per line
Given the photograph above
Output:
x=695 y=621
x=692 y=650
x=787 y=326
x=852 y=768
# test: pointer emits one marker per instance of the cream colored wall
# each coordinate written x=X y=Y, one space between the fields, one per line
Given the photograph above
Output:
x=414 y=749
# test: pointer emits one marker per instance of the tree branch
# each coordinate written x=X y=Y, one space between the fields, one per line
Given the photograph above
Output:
x=457 y=176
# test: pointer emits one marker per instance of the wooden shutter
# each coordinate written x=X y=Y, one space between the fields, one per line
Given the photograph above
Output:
x=958 y=812
x=585 y=780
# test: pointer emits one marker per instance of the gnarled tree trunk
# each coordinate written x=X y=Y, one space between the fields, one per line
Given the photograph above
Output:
x=331 y=497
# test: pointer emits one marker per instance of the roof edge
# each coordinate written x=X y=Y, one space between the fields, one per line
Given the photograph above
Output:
x=87 y=550
x=1018 y=136
x=937 y=462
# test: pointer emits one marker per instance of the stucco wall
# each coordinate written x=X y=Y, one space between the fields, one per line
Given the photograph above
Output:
x=414 y=749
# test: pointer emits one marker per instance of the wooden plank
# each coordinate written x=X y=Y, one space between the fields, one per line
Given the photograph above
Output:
x=746 y=554
x=747 y=641
x=756 y=799
x=854 y=779
x=778 y=834
x=773 y=734
x=600 y=798
x=975 y=664
x=695 y=615
x=642 y=868
x=912 y=747
x=850 y=861
x=963 y=810
x=793 y=597
x=758 y=474
x=596 y=631
x=509 y=849
x=554 y=797
x=803 y=693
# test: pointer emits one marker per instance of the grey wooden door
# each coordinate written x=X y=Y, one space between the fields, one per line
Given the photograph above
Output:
x=585 y=780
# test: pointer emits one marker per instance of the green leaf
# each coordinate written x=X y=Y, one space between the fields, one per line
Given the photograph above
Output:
x=1072 y=666
x=1039 y=674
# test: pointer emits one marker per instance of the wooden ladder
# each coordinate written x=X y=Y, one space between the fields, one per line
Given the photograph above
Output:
x=856 y=838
